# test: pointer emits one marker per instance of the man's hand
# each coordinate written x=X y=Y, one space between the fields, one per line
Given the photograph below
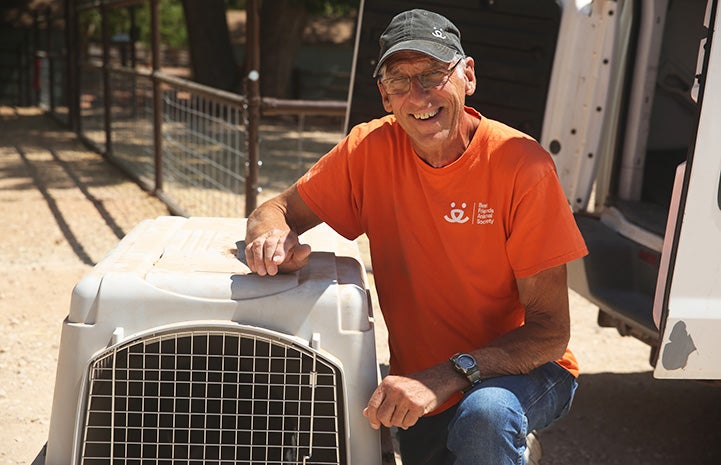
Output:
x=272 y=234
x=401 y=400
x=276 y=251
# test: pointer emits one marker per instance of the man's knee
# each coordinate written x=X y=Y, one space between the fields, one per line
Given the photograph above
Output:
x=489 y=427
x=490 y=412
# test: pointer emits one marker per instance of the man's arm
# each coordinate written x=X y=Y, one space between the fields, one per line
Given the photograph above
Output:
x=401 y=400
x=545 y=334
x=272 y=234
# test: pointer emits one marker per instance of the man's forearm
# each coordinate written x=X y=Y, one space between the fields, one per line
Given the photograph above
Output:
x=520 y=351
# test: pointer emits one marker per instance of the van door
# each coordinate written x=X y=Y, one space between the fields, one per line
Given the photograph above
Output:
x=585 y=88
x=687 y=305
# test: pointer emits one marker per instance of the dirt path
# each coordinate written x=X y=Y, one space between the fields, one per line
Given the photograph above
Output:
x=64 y=208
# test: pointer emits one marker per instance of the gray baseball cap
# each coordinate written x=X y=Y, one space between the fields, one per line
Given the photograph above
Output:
x=420 y=31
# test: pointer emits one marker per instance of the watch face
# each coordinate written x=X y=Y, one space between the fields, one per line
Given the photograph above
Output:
x=465 y=361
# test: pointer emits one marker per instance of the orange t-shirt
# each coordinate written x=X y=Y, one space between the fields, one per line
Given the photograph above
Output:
x=447 y=244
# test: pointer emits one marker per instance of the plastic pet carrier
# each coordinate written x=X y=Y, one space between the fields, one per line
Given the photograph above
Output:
x=173 y=352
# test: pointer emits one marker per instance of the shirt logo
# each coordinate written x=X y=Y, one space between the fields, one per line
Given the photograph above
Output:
x=482 y=213
x=457 y=215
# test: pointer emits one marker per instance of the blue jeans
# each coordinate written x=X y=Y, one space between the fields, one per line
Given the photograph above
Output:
x=490 y=424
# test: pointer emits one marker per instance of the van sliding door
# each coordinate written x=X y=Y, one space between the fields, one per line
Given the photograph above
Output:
x=688 y=298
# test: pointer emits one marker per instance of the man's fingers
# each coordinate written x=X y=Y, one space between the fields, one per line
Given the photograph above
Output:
x=296 y=258
x=384 y=409
x=276 y=251
x=273 y=255
x=375 y=424
x=301 y=252
x=386 y=413
x=399 y=417
x=371 y=411
x=261 y=253
x=398 y=401
x=409 y=419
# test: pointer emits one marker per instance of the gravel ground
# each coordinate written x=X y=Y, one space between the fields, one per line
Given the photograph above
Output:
x=64 y=208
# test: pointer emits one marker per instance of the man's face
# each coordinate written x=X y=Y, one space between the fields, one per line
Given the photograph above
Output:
x=432 y=116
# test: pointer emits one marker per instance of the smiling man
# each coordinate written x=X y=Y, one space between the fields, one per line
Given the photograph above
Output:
x=469 y=235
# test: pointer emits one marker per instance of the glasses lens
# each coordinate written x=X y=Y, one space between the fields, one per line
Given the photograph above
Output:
x=429 y=80
x=433 y=78
x=396 y=85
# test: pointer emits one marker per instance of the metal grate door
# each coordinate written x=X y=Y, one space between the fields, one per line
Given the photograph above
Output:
x=213 y=396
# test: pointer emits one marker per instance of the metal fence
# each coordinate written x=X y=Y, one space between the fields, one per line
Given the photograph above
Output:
x=32 y=64
x=15 y=67
x=199 y=149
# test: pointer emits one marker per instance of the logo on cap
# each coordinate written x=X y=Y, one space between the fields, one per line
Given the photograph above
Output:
x=439 y=33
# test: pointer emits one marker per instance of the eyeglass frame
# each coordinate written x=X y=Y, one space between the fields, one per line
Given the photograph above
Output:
x=419 y=77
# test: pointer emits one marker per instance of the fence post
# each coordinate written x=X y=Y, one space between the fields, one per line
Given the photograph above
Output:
x=51 y=59
x=72 y=84
x=133 y=59
x=19 y=63
x=157 y=98
x=252 y=44
x=36 y=59
x=107 y=92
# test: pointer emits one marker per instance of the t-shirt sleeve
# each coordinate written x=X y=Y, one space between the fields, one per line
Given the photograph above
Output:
x=327 y=188
x=543 y=231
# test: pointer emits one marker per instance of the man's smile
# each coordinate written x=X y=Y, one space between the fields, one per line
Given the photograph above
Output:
x=426 y=114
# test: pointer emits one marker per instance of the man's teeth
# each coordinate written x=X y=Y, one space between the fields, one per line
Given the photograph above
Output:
x=426 y=115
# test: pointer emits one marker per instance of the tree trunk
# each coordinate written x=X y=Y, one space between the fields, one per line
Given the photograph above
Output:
x=211 y=54
x=281 y=29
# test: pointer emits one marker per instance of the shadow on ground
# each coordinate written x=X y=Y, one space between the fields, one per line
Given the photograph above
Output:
x=632 y=418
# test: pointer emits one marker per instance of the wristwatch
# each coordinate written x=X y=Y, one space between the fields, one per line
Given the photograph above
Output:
x=466 y=365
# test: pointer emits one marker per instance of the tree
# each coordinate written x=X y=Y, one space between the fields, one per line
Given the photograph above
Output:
x=282 y=23
x=211 y=53
x=281 y=29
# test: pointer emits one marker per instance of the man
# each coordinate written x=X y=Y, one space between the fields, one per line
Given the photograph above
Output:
x=469 y=235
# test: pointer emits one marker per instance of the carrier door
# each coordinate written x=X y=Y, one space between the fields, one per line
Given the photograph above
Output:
x=584 y=92
x=688 y=299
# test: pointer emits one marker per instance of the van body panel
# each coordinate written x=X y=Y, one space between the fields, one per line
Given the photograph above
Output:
x=689 y=308
x=581 y=92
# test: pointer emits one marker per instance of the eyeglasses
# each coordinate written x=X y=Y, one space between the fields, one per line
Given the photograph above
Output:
x=428 y=80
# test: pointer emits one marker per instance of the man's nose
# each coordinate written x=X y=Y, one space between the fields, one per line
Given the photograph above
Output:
x=416 y=88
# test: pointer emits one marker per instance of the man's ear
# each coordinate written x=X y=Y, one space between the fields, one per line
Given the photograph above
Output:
x=470 y=73
x=384 y=98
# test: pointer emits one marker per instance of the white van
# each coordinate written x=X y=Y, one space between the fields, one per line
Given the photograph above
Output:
x=626 y=96
x=633 y=122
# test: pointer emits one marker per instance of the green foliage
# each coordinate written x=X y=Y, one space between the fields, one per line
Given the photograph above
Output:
x=235 y=4
x=172 y=23
x=315 y=7
x=331 y=7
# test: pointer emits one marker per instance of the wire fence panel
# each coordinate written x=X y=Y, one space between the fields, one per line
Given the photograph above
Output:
x=132 y=125
x=186 y=142
x=290 y=145
x=204 y=140
x=92 y=101
x=204 y=156
x=52 y=80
